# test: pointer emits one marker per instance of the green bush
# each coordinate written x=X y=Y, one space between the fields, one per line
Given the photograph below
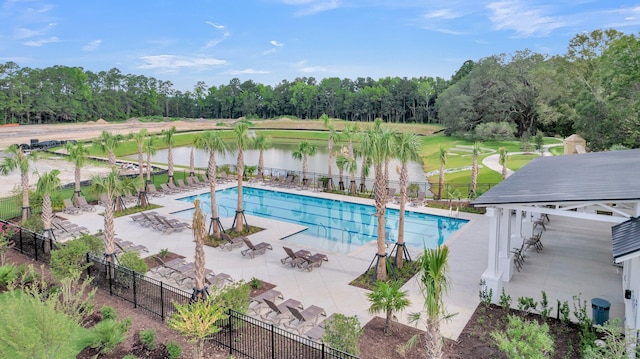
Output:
x=148 y=338
x=34 y=224
x=524 y=339
x=8 y=274
x=173 y=349
x=129 y=356
x=133 y=261
x=614 y=345
x=108 y=334
x=70 y=259
x=108 y=312
x=505 y=300
x=343 y=333
x=495 y=131
x=234 y=296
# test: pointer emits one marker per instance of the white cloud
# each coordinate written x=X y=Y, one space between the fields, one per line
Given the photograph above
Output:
x=248 y=71
x=174 y=62
x=92 y=45
x=276 y=43
x=23 y=32
x=442 y=14
x=312 y=7
x=522 y=18
x=219 y=27
x=38 y=43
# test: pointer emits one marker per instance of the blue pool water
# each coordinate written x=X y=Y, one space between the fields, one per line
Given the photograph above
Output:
x=342 y=225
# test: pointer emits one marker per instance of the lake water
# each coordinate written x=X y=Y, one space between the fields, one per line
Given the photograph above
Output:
x=279 y=157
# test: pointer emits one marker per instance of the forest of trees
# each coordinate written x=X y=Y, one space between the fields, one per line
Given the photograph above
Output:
x=592 y=90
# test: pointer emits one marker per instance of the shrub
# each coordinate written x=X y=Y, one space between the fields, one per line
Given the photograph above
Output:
x=70 y=259
x=485 y=295
x=524 y=339
x=495 y=131
x=8 y=274
x=173 y=349
x=505 y=300
x=563 y=308
x=255 y=283
x=148 y=338
x=545 y=310
x=343 y=333
x=234 y=296
x=133 y=261
x=108 y=334
x=587 y=334
x=527 y=304
x=129 y=356
x=164 y=252
x=34 y=224
x=108 y=312
x=614 y=345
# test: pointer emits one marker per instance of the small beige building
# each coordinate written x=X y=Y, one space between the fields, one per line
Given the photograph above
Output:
x=574 y=144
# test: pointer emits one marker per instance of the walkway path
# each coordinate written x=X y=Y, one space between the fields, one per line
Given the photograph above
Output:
x=493 y=162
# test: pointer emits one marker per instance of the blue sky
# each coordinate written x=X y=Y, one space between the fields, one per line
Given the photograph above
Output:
x=272 y=40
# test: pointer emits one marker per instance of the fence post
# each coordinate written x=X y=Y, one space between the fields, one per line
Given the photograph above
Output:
x=229 y=331
x=322 y=350
x=21 y=246
x=135 y=297
x=35 y=247
x=273 y=343
x=161 y=300
x=109 y=276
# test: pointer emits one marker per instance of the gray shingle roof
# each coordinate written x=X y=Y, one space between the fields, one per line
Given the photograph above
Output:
x=626 y=238
x=597 y=176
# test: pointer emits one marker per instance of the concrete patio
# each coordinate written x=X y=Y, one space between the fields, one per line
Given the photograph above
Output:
x=576 y=259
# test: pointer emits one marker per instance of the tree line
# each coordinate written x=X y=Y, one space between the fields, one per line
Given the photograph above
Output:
x=592 y=90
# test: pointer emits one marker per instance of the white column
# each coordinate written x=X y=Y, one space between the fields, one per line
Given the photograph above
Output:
x=506 y=257
x=492 y=275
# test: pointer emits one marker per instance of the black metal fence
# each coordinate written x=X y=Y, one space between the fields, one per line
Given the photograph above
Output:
x=253 y=338
x=241 y=334
x=152 y=295
x=32 y=244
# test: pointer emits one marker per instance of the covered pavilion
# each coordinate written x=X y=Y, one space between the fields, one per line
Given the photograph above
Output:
x=599 y=187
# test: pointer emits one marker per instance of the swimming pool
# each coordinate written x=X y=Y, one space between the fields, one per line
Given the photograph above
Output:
x=331 y=224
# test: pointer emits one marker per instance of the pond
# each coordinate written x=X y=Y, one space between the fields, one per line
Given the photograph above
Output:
x=279 y=157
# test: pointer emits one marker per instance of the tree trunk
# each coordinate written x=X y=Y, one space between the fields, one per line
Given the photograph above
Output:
x=78 y=179
x=381 y=203
x=404 y=178
x=329 y=170
x=170 y=163
x=305 y=166
x=261 y=162
x=199 y=233
x=24 y=179
x=140 y=161
x=433 y=340
x=441 y=181
x=474 y=175
x=240 y=170
x=112 y=159
x=211 y=173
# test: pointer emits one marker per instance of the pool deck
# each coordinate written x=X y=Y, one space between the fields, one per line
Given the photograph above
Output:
x=328 y=286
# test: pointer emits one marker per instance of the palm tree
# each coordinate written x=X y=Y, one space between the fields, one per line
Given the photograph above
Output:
x=108 y=142
x=475 y=152
x=169 y=139
x=503 y=161
x=388 y=298
x=48 y=183
x=443 y=162
x=434 y=284
x=110 y=187
x=350 y=133
x=77 y=153
x=199 y=234
x=388 y=141
x=192 y=163
x=349 y=164
x=261 y=143
x=16 y=159
x=407 y=149
x=150 y=149
x=373 y=142
x=139 y=139
x=243 y=140
x=333 y=136
x=304 y=150
x=212 y=142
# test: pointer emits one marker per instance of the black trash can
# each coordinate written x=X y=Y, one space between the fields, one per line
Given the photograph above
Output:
x=600 y=310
